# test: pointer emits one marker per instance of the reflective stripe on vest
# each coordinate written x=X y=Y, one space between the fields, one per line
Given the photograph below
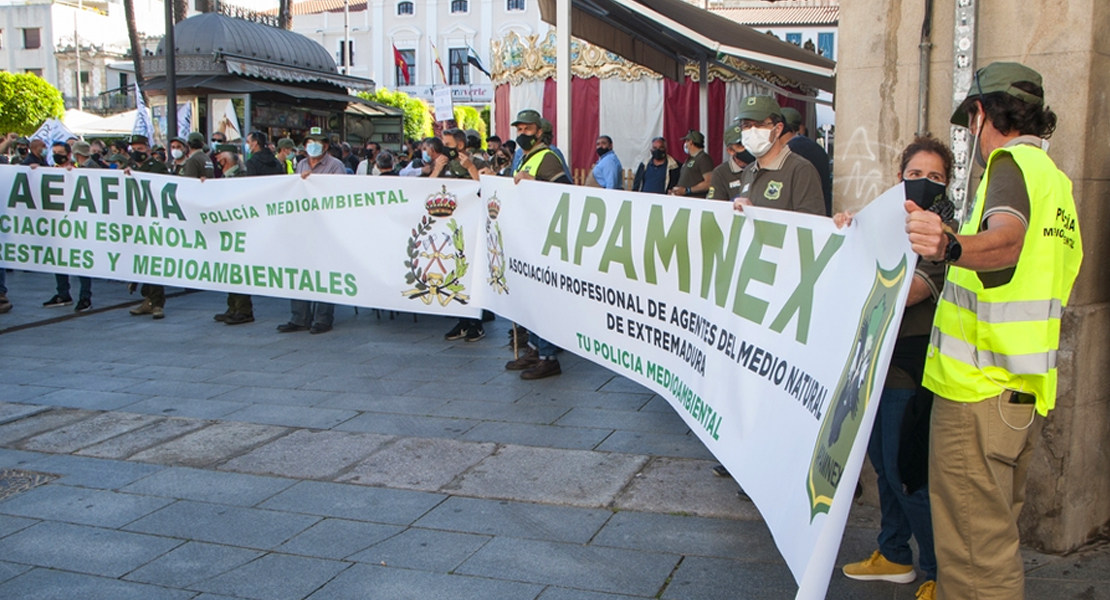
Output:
x=987 y=340
x=532 y=165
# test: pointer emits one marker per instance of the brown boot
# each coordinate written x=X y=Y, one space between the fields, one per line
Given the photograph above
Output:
x=157 y=312
x=545 y=368
x=526 y=361
x=143 y=309
x=5 y=306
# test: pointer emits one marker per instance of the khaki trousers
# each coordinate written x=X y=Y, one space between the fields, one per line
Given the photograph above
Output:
x=978 y=458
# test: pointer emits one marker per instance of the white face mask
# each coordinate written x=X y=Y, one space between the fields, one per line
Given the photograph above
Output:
x=757 y=140
x=177 y=153
x=314 y=149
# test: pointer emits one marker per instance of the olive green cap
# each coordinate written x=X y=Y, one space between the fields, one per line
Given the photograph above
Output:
x=473 y=133
x=194 y=136
x=317 y=134
x=140 y=139
x=999 y=77
x=758 y=108
x=546 y=126
x=22 y=141
x=527 y=117
x=117 y=158
x=695 y=136
x=286 y=143
x=179 y=140
x=82 y=148
x=734 y=135
x=232 y=148
x=792 y=117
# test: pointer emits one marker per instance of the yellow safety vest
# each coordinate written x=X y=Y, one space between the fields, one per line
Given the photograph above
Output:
x=531 y=164
x=987 y=340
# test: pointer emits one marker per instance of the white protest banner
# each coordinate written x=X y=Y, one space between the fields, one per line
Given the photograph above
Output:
x=387 y=242
x=769 y=332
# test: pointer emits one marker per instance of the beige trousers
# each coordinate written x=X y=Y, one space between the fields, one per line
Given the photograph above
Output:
x=978 y=458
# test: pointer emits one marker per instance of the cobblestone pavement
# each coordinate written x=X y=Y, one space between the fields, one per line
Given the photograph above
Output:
x=188 y=459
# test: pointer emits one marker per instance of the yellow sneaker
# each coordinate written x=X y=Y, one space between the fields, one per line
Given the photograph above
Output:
x=878 y=568
x=927 y=591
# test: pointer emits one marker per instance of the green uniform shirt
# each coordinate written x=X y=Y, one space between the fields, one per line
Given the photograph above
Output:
x=197 y=165
x=725 y=184
x=693 y=172
x=151 y=165
x=789 y=182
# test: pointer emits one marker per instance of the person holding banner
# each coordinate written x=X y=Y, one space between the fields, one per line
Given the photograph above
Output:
x=777 y=178
x=992 y=354
x=36 y=156
x=899 y=439
x=315 y=317
x=725 y=182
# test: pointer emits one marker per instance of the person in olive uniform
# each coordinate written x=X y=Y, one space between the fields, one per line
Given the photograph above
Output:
x=696 y=173
x=142 y=159
x=778 y=178
x=198 y=165
x=809 y=150
x=179 y=151
x=725 y=183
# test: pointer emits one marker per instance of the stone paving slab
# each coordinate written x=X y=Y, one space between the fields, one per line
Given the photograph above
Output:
x=685 y=445
x=11 y=392
x=38 y=423
x=404 y=584
x=402 y=405
x=18 y=458
x=211 y=444
x=377 y=505
x=409 y=425
x=89 y=400
x=492 y=411
x=90 y=381
x=571 y=477
x=275 y=577
x=306 y=454
x=10 y=525
x=209 y=486
x=425 y=464
x=269 y=395
x=651 y=422
x=516 y=519
x=12 y=376
x=92 y=472
x=185 y=407
x=47 y=584
x=670 y=485
x=547 y=436
x=136 y=440
x=87 y=432
x=223 y=524
x=573 y=565
x=338 y=538
x=423 y=550
x=690 y=536
x=291 y=416
x=721 y=579
x=83 y=549
x=191 y=563
x=82 y=506
x=13 y=412
x=561 y=593
x=9 y=570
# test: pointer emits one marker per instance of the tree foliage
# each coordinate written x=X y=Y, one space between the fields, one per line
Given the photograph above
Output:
x=418 y=119
x=468 y=118
x=26 y=101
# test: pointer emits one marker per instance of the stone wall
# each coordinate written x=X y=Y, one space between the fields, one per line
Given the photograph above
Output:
x=1068 y=499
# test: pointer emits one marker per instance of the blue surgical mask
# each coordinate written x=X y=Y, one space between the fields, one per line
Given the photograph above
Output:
x=427 y=157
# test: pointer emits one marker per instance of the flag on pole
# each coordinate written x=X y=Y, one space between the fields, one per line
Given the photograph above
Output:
x=144 y=125
x=439 y=63
x=399 y=60
x=472 y=58
x=184 y=119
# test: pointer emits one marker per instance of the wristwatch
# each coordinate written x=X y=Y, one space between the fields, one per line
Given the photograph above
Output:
x=953 y=249
x=687 y=191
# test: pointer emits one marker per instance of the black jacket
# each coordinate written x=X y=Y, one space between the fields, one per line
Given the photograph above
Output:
x=264 y=162
x=673 y=169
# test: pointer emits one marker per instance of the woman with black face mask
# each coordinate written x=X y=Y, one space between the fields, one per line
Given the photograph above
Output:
x=899 y=440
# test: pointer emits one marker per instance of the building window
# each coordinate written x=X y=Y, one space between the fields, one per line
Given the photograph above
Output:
x=794 y=38
x=31 y=39
x=124 y=86
x=410 y=59
x=406 y=8
x=345 y=59
x=459 y=6
x=514 y=5
x=35 y=72
x=460 y=69
x=825 y=43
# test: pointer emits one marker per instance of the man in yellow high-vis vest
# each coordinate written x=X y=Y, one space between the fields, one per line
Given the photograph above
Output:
x=992 y=354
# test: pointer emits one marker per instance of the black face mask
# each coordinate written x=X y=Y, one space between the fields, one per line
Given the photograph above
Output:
x=60 y=159
x=138 y=156
x=659 y=154
x=451 y=153
x=21 y=151
x=745 y=157
x=602 y=151
x=924 y=192
x=525 y=142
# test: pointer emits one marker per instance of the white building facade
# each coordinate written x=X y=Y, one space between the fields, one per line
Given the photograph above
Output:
x=376 y=27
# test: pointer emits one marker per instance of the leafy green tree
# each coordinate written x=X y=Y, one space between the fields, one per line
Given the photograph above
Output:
x=418 y=119
x=485 y=112
x=468 y=118
x=26 y=101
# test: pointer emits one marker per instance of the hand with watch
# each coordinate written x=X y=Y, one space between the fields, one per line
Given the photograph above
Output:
x=930 y=237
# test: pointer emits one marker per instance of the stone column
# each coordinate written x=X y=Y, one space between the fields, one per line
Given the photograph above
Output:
x=1068 y=494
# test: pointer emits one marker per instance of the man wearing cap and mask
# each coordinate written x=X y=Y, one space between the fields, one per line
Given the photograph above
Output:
x=82 y=156
x=198 y=165
x=778 y=178
x=696 y=173
x=809 y=150
x=142 y=159
x=179 y=152
x=992 y=355
x=314 y=317
x=725 y=182
x=286 y=151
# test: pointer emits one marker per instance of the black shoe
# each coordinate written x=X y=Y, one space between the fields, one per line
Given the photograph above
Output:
x=544 y=368
x=291 y=327
x=721 y=471
x=238 y=319
x=475 y=333
x=82 y=305
x=57 y=301
x=457 y=332
x=319 y=328
x=222 y=317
